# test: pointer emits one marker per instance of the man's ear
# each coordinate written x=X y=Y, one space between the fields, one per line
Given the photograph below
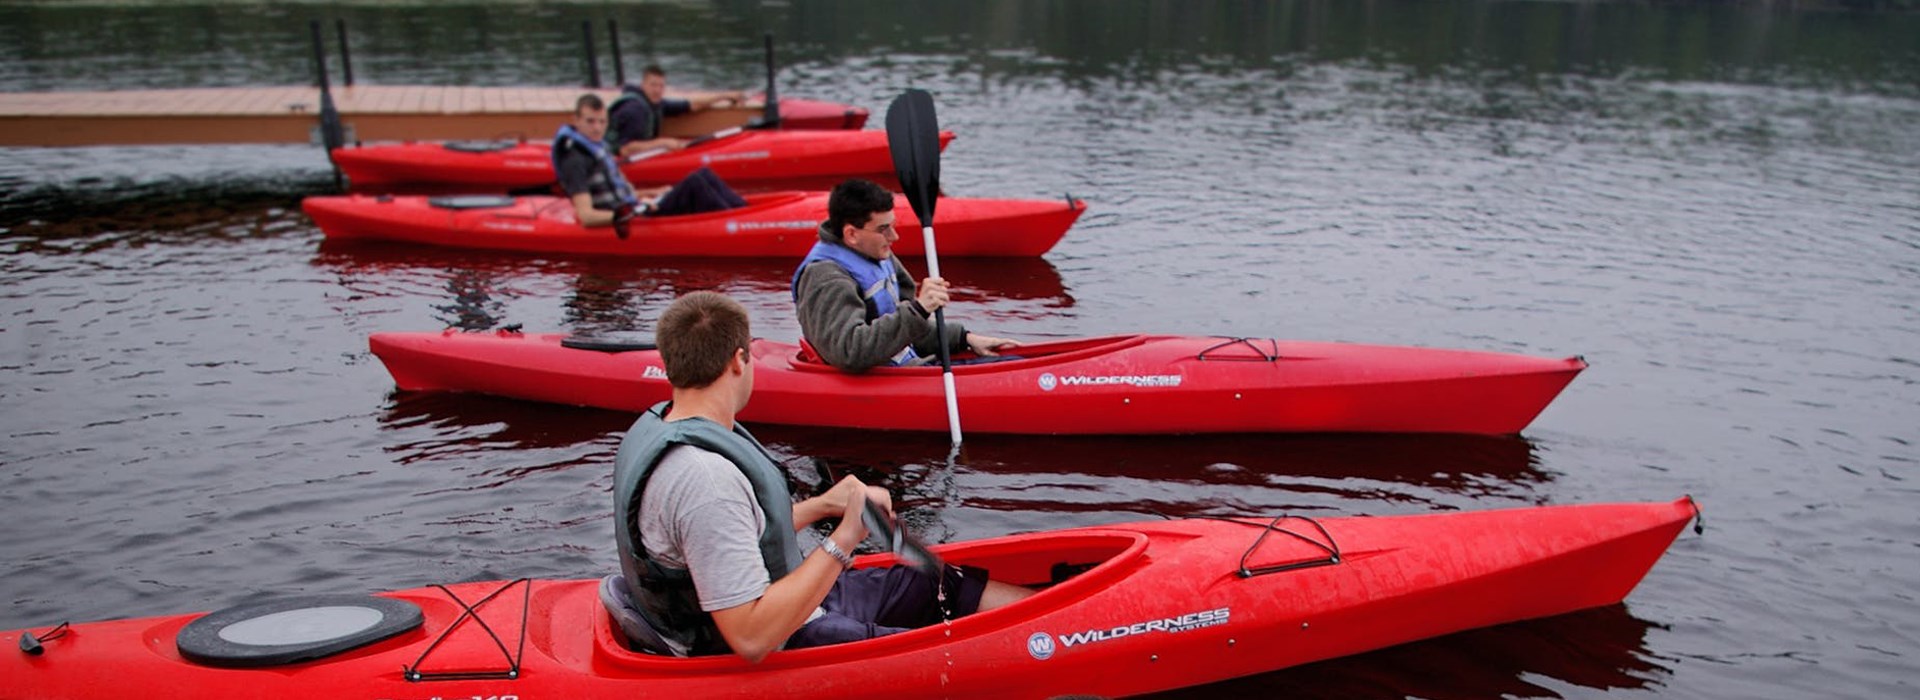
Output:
x=740 y=361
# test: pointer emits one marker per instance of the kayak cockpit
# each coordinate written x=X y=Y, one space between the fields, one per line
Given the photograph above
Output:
x=1064 y=567
x=1026 y=356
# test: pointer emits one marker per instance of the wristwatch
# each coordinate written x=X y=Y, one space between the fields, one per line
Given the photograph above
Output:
x=833 y=550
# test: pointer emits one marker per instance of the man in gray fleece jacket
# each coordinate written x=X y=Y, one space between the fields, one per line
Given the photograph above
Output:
x=858 y=306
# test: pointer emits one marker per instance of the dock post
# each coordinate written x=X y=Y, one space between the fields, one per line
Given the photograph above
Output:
x=593 y=62
x=771 y=117
x=346 y=57
x=332 y=136
x=613 y=44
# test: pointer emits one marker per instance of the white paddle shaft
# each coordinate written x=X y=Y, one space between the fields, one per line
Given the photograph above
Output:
x=946 y=373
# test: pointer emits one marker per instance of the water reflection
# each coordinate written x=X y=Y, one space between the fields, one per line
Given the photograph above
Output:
x=608 y=294
x=1092 y=476
x=1174 y=475
x=1599 y=649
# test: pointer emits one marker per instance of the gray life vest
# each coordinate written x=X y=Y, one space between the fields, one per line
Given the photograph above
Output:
x=666 y=596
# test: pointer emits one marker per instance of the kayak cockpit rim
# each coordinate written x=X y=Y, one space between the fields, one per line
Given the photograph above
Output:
x=1032 y=355
x=1029 y=560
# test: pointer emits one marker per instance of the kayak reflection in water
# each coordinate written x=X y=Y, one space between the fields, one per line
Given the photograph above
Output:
x=589 y=173
x=706 y=526
x=858 y=306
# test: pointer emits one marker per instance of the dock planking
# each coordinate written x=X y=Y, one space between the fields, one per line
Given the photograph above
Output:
x=291 y=115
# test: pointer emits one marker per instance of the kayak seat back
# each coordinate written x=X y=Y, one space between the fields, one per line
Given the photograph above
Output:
x=641 y=637
x=807 y=353
x=471 y=201
x=480 y=146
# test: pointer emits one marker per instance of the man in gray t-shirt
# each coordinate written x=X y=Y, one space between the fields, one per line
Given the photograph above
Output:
x=698 y=514
x=703 y=510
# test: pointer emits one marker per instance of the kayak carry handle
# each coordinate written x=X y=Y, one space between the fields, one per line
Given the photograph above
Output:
x=31 y=644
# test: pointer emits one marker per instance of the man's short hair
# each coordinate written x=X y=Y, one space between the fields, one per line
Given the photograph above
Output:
x=653 y=69
x=855 y=202
x=588 y=102
x=698 y=335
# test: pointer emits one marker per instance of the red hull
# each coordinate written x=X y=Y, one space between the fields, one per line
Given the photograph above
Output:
x=1115 y=385
x=802 y=114
x=752 y=160
x=771 y=225
x=1164 y=602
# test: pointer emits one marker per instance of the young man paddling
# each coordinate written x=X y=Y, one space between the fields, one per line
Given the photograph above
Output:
x=858 y=306
x=590 y=175
x=706 y=527
x=634 y=118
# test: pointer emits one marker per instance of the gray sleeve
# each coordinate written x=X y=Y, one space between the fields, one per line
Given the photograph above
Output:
x=698 y=513
x=833 y=318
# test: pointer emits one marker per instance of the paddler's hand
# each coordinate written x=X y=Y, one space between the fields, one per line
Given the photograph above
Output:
x=932 y=294
x=989 y=346
x=622 y=221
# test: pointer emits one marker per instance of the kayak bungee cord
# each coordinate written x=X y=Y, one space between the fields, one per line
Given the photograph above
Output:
x=1271 y=354
x=1329 y=546
x=413 y=672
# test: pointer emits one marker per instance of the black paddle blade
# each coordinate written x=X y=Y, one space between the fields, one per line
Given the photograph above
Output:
x=913 y=136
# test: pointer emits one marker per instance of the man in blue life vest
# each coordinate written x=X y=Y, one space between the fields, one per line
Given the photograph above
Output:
x=590 y=175
x=858 y=306
x=706 y=527
x=635 y=116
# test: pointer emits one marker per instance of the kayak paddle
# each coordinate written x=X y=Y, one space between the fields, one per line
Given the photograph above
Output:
x=913 y=137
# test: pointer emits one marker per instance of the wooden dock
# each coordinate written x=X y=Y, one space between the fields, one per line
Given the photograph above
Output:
x=292 y=115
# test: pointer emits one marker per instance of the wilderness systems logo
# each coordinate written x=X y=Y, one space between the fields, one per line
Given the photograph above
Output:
x=738 y=226
x=1042 y=647
x=652 y=372
x=745 y=155
x=1049 y=382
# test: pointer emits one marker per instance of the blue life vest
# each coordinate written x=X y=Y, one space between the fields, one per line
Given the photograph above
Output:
x=621 y=193
x=876 y=279
x=666 y=596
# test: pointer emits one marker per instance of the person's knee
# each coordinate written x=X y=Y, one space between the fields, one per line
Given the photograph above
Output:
x=998 y=594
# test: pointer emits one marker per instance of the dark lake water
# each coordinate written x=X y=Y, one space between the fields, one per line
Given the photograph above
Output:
x=1718 y=205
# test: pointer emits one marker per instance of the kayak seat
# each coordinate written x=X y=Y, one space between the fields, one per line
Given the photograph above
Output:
x=479 y=146
x=807 y=353
x=293 y=630
x=607 y=343
x=641 y=637
x=471 y=201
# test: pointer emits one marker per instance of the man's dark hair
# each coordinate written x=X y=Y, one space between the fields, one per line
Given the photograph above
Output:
x=697 y=336
x=653 y=69
x=855 y=202
x=588 y=101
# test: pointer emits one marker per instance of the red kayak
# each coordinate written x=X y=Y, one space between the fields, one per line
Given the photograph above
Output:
x=1130 y=384
x=748 y=160
x=780 y=224
x=1124 y=610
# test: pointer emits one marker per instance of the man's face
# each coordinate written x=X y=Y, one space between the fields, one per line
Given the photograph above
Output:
x=591 y=123
x=874 y=240
x=654 y=87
